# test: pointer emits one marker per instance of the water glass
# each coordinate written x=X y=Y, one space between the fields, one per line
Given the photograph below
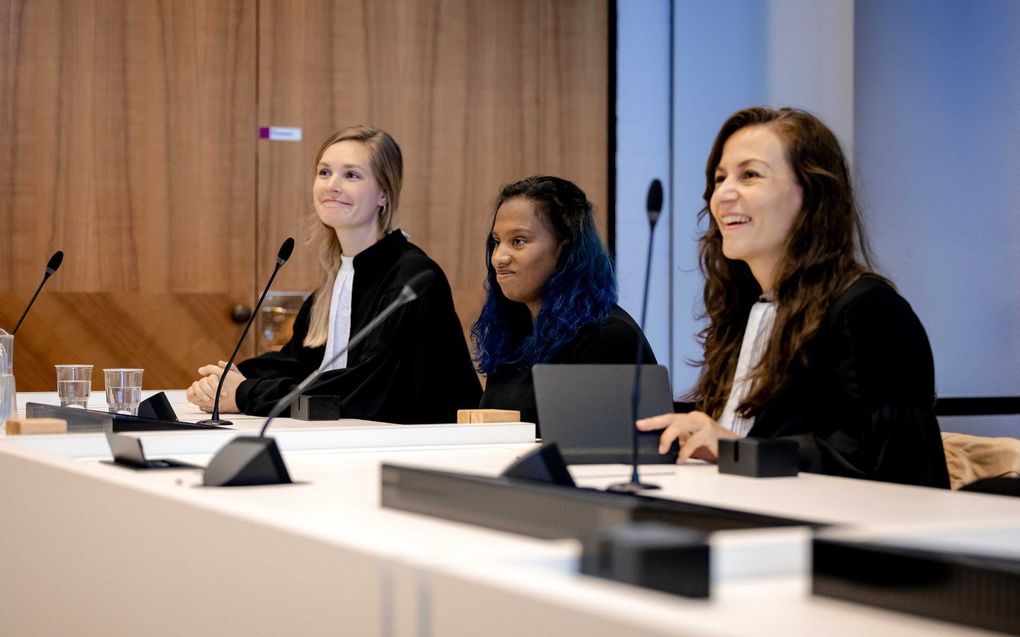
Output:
x=8 y=397
x=74 y=384
x=123 y=390
x=8 y=400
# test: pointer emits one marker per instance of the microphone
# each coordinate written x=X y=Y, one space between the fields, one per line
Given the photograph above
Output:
x=281 y=257
x=51 y=267
x=654 y=207
x=255 y=460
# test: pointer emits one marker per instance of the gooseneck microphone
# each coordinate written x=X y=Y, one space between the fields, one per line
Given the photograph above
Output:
x=255 y=460
x=654 y=207
x=51 y=267
x=281 y=257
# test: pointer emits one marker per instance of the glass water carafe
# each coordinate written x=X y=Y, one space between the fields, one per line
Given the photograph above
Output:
x=8 y=402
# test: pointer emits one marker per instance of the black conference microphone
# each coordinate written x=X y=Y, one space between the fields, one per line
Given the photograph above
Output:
x=254 y=460
x=654 y=209
x=51 y=266
x=281 y=257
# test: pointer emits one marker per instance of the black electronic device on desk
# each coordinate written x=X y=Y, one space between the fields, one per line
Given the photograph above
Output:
x=961 y=582
x=665 y=558
x=92 y=421
x=548 y=510
x=759 y=457
x=587 y=411
x=627 y=537
x=312 y=407
x=127 y=452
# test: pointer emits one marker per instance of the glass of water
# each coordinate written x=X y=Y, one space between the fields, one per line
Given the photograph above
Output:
x=7 y=393
x=74 y=384
x=123 y=389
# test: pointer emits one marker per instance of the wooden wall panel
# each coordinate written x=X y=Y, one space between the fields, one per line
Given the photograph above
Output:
x=476 y=93
x=167 y=336
x=130 y=144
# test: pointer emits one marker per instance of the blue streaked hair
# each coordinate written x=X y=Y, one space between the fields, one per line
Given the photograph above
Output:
x=582 y=290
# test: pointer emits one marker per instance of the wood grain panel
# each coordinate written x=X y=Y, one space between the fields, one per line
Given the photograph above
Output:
x=130 y=144
x=117 y=329
x=476 y=93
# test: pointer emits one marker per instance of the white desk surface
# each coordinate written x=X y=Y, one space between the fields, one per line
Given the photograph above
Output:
x=290 y=434
x=528 y=596
x=815 y=497
x=187 y=412
x=322 y=553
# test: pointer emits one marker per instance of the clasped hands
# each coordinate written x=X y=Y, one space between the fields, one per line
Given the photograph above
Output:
x=697 y=432
x=203 y=391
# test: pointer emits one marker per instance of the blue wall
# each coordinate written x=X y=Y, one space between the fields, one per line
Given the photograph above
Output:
x=643 y=154
x=937 y=120
x=720 y=65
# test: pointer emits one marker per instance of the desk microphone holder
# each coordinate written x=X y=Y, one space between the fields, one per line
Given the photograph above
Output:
x=654 y=206
x=281 y=257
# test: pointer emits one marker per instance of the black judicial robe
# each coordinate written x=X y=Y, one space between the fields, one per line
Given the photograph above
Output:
x=861 y=405
x=414 y=368
x=612 y=342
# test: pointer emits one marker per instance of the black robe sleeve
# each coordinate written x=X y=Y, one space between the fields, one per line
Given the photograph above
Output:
x=293 y=360
x=414 y=368
x=863 y=405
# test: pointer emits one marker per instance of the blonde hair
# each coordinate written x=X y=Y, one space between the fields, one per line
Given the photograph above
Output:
x=387 y=165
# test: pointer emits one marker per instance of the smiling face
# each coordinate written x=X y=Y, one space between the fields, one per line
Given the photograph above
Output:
x=347 y=194
x=756 y=200
x=525 y=253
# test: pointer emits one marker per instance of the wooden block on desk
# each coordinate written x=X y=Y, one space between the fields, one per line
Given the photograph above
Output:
x=477 y=416
x=26 y=426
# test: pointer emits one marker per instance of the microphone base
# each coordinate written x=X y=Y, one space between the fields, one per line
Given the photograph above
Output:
x=631 y=487
x=247 y=461
x=544 y=464
x=157 y=406
x=216 y=422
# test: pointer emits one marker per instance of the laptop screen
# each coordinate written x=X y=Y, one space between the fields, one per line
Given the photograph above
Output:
x=586 y=410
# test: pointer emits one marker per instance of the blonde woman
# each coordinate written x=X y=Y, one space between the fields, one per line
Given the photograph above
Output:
x=415 y=367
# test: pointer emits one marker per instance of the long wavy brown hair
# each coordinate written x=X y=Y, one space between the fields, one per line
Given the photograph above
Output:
x=826 y=252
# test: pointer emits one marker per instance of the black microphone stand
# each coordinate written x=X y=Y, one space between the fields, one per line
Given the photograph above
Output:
x=51 y=266
x=635 y=485
x=256 y=460
x=281 y=257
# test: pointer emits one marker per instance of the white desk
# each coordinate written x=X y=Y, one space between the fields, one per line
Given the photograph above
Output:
x=290 y=434
x=91 y=549
x=536 y=597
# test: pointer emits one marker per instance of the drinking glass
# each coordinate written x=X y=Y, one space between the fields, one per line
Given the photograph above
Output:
x=8 y=400
x=74 y=384
x=123 y=389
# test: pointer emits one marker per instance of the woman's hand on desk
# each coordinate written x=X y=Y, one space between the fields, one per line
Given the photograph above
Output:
x=203 y=391
x=697 y=433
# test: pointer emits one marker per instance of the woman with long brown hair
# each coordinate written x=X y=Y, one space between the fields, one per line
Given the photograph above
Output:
x=415 y=367
x=803 y=340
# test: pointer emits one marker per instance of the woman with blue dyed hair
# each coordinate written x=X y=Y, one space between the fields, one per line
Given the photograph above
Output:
x=551 y=293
